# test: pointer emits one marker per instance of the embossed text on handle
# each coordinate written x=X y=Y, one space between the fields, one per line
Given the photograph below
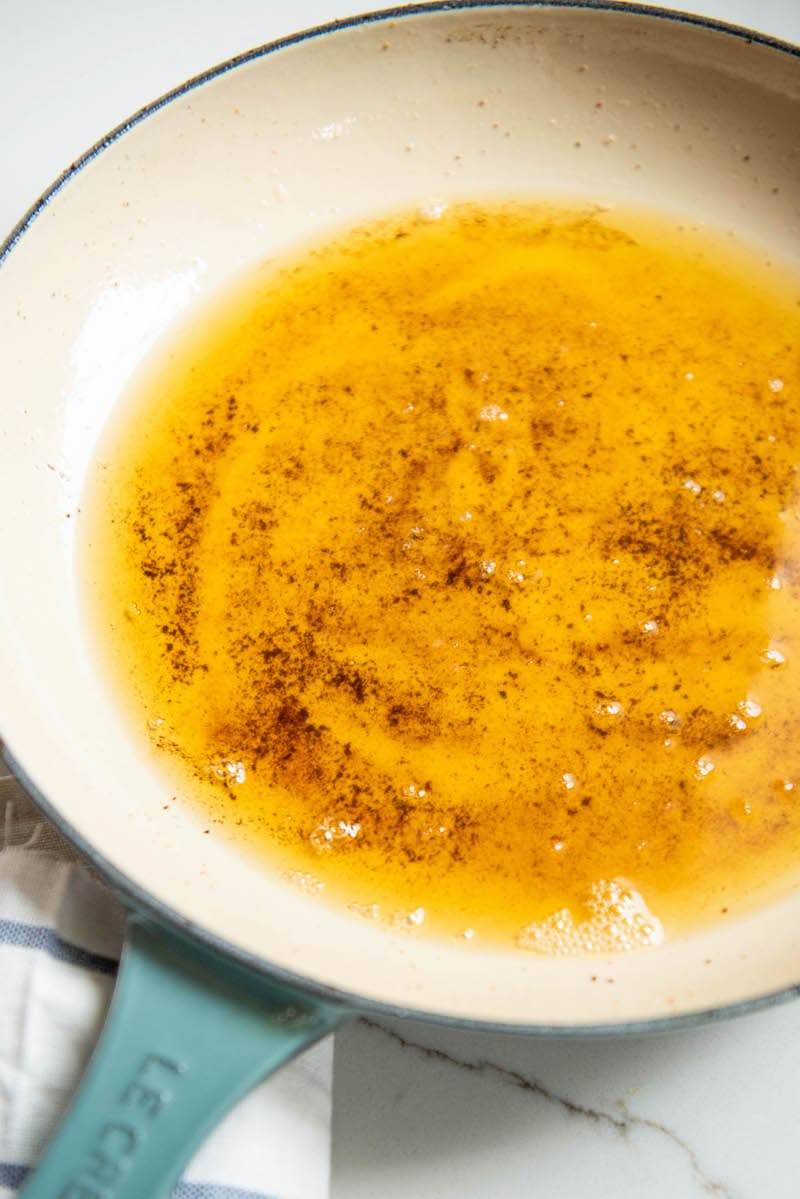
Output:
x=142 y=1099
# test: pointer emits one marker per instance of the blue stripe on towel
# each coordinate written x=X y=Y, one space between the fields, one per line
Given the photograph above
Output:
x=214 y=1190
x=35 y=936
x=13 y=1175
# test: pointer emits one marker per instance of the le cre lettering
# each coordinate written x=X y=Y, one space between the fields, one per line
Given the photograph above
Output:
x=143 y=1099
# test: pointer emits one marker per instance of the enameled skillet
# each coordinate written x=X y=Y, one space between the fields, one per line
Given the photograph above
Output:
x=227 y=971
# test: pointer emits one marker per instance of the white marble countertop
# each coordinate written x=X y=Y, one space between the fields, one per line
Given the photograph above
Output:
x=437 y=1114
x=422 y=1111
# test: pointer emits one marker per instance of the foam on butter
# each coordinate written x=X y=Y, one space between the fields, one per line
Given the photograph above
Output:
x=618 y=920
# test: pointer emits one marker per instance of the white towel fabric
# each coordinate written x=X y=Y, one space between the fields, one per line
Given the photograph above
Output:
x=60 y=937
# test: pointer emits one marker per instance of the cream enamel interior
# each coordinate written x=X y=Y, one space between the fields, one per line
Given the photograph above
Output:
x=611 y=106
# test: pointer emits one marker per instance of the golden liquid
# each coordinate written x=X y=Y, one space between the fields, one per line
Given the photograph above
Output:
x=454 y=568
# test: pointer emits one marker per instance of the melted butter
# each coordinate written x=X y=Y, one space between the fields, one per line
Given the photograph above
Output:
x=453 y=568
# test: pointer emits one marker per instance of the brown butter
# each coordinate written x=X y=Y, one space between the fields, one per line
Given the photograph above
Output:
x=445 y=560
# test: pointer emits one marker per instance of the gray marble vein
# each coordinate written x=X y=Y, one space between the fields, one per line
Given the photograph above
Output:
x=623 y=1124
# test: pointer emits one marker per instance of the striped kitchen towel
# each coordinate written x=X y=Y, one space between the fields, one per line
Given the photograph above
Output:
x=60 y=938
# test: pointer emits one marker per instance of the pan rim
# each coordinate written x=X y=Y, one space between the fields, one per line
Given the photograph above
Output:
x=135 y=896
x=397 y=12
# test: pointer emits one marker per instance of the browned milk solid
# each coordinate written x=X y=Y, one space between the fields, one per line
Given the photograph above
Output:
x=454 y=568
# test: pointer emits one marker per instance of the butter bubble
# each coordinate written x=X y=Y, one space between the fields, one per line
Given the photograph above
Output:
x=619 y=921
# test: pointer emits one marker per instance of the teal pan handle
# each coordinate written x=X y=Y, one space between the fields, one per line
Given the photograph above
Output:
x=187 y=1035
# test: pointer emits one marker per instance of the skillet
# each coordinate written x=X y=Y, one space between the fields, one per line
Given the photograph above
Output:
x=147 y=224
